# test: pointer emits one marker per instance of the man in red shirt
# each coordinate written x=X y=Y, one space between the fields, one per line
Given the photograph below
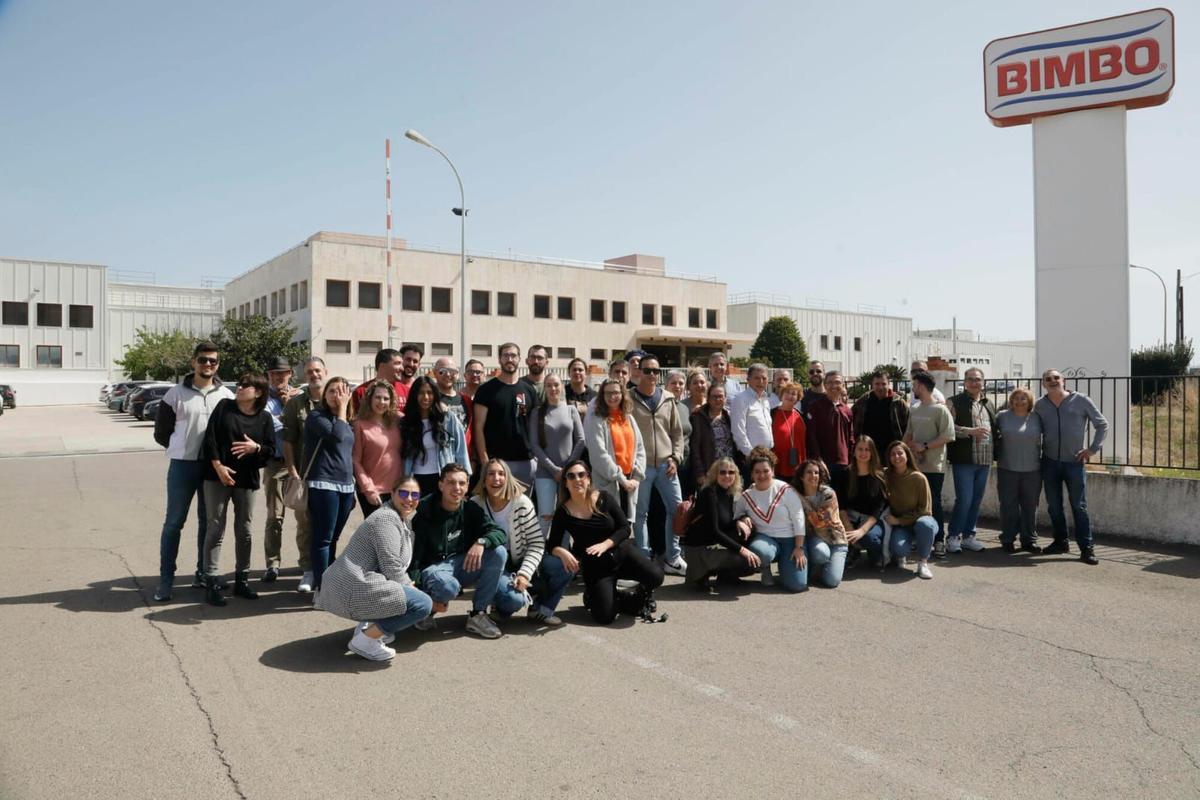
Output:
x=387 y=369
x=831 y=426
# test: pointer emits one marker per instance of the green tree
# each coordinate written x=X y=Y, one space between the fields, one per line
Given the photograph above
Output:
x=158 y=355
x=779 y=345
x=246 y=345
x=1156 y=365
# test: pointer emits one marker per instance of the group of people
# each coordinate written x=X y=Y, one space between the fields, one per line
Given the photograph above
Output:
x=516 y=485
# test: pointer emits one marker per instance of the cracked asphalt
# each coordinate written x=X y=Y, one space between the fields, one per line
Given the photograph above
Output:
x=1006 y=676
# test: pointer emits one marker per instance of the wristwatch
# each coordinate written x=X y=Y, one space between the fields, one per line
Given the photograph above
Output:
x=482 y=542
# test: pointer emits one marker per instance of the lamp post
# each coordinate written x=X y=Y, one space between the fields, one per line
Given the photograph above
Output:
x=1164 y=288
x=461 y=211
x=1179 y=279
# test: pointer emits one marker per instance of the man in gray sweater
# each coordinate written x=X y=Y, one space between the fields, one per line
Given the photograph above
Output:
x=1065 y=416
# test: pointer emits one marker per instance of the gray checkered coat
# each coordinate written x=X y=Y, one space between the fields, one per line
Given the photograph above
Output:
x=366 y=582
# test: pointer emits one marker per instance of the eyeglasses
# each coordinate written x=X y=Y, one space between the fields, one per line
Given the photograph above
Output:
x=408 y=494
x=474 y=372
x=245 y=385
x=448 y=371
x=653 y=371
x=208 y=360
x=814 y=372
x=575 y=476
x=727 y=472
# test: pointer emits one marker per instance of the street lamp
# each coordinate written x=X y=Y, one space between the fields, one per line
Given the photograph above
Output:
x=1164 y=288
x=461 y=212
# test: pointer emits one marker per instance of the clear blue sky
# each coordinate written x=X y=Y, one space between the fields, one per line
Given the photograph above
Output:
x=822 y=150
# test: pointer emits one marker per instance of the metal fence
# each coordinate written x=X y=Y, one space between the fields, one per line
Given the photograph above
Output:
x=1154 y=421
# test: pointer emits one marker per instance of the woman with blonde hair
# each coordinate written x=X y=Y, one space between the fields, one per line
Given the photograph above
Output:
x=614 y=446
x=1018 y=474
x=376 y=451
x=715 y=543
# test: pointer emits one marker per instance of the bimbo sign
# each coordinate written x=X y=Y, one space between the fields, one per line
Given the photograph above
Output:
x=1120 y=61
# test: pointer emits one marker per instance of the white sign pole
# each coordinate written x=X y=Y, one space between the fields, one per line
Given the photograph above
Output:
x=1082 y=257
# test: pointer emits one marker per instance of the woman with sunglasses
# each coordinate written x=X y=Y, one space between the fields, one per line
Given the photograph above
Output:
x=826 y=539
x=329 y=472
x=239 y=441
x=556 y=436
x=774 y=510
x=614 y=445
x=715 y=543
x=370 y=581
x=911 y=513
x=376 y=446
x=429 y=437
x=600 y=543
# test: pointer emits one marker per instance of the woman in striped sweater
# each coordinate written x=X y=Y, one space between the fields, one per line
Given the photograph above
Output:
x=502 y=497
x=778 y=520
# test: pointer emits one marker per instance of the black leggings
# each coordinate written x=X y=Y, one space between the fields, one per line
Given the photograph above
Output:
x=600 y=575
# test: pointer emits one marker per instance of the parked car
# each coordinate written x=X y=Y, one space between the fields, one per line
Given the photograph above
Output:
x=9 y=395
x=105 y=391
x=150 y=412
x=121 y=394
x=138 y=398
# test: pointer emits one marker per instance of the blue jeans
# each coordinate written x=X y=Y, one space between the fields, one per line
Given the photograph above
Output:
x=970 y=482
x=902 y=535
x=446 y=579
x=771 y=549
x=546 y=494
x=419 y=607
x=936 y=481
x=1054 y=475
x=873 y=542
x=825 y=561
x=327 y=515
x=668 y=490
x=550 y=583
x=185 y=479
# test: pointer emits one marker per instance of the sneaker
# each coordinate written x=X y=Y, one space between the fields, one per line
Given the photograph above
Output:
x=1030 y=547
x=972 y=544
x=271 y=575
x=1057 y=547
x=1088 y=556
x=676 y=567
x=481 y=625
x=939 y=549
x=539 y=615
x=1009 y=547
x=901 y=562
x=306 y=583
x=387 y=638
x=368 y=648
x=954 y=544
x=767 y=578
x=427 y=624
x=163 y=592
x=923 y=570
x=199 y=581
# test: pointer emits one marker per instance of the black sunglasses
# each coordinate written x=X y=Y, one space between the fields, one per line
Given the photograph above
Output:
x=207 y=360
x=575 y=476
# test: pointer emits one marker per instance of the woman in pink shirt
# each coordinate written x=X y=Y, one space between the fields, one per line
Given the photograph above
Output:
x=376 y=447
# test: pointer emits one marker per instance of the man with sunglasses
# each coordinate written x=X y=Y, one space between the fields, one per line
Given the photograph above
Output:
x=1065 y=416
x=657 y=416
x=180 y=427
x=816 y=386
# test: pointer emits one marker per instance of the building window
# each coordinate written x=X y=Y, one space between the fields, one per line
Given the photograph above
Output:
x=369 y=347
x=49 y=315
x=481 y=302
x=274 y=305
x=837 y=343
x=337 y=294
x=598 y=354
x=710 y=319
x=441 y=349
x=858 y=344
x=693 y=318
x=667 y=315
x=618 y=311
x=566 y=308
x=597 y=311
x=79 y=316
x=541 y=306
x=824 y=341
x=439 y=299
x=411 y=298
x=481 y=350
x=506 y=304
x=15 y=313
x=304 y=294
x=10 y=355
x=337 y=345
x=369 y=295
x=648 y=316
x=618 y=354
x=566 y=352
x=49 y=355
x=295 y=296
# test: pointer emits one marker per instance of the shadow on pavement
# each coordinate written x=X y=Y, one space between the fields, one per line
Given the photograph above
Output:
x=1179 y=567
x=187 y=606
x=326 y=654
x=115 y=596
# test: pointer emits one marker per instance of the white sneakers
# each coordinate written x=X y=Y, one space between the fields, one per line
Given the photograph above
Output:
x=923 y=570
x=387 y=638
x=972 y=544
x=481 y=625
x=676 y=567
x=953 y=544
x=538 y=615
x=368 y=648
x=306 y=583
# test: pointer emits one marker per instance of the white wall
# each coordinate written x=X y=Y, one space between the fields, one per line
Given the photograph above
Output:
x=160 y=309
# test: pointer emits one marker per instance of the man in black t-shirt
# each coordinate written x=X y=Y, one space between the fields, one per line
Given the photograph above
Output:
x=502 y=407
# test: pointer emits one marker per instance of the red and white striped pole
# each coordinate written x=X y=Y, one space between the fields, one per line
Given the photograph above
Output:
x=387 y=174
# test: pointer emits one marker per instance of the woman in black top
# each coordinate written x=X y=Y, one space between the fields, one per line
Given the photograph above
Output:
x=239 y=441
x=715 y=541
x=600 y=542
x=862 y=498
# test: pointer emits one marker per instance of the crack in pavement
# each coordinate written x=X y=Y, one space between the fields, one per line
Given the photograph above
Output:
x=1095 y=667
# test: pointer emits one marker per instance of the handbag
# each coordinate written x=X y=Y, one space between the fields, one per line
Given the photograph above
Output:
x=685 y=516
x=295 y=492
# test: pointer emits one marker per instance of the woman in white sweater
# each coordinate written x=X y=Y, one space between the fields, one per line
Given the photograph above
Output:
x=614 y=446
x=774 y=510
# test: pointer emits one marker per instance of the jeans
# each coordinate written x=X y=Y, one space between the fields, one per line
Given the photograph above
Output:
x=826 y=561
x=872 y=542
x=273 y=476
x=600 y=575
x=970 y=482
x=771 y=549
x=419 y=606
x=522 y=469
x=1054 y=475
x=216 y=500
x=546 y=493
x=1019 y=493
x=668 y=489
x=327 y=513
x=550 y=583
x=185 y=479
x=902 y=535
x=446 y=579
x=936 y=481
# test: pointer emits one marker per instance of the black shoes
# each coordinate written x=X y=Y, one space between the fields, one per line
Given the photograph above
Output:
x=1008 y=547
x=271 y=575
x=1057 y=547
x=1030 y=547
x=1088 y=556
x=241 y=588
x=212 y=594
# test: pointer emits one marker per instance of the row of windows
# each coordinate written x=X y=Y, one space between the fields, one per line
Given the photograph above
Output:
x=837 y=343
x=369 y=347
x=49 y=315
x=48 y=355
x=276 y=303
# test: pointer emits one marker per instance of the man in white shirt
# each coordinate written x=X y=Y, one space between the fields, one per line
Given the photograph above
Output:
x=717 y=366
x=750 y=412
x=938 y=397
